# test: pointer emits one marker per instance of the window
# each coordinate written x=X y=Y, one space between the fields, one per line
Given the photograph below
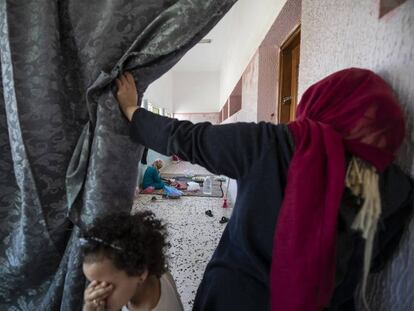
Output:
x=149 y=107
x=154 y=109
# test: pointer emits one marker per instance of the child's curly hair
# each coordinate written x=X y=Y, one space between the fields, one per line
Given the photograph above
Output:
x=132 y=242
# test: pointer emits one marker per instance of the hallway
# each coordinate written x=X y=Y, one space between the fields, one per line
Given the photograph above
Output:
x=192 y=234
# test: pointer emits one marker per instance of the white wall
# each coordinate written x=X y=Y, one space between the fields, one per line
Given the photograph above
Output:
x=235 y=40
x=196 y=91
x=186 y=92
x=247 y=26
x=160 y=92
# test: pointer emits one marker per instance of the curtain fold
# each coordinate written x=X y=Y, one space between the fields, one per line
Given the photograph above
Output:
x=65 y=154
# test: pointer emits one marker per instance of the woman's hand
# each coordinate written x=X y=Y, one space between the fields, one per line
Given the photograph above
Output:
x=127 y=94
x=95 y=296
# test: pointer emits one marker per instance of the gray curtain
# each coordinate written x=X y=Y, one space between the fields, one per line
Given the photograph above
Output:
x=65 y=154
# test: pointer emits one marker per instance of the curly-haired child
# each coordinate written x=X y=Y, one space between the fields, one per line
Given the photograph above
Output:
x=124 y=260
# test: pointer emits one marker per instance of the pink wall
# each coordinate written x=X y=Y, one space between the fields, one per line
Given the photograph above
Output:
x=235 y=103
x=238 y=89
x=259 y=82
x=285 y=23
x=250 y=81
x=249 y=91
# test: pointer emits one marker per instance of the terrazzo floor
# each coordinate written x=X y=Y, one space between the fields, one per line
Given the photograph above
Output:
x=192 y=234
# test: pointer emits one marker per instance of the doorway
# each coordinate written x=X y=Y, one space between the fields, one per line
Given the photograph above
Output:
x=289 y=77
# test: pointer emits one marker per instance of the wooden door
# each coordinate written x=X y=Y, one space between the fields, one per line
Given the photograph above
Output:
x=289 y=77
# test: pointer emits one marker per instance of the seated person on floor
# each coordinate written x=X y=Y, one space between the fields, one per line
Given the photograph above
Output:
x=152 y=176
x=124 y=259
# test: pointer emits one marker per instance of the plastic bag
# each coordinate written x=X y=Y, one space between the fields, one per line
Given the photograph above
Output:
x=171 y=192
x=193 y=186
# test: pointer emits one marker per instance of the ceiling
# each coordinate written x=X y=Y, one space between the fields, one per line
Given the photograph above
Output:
x=207 y=56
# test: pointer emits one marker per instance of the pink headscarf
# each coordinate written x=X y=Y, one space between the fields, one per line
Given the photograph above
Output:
x=351 y=111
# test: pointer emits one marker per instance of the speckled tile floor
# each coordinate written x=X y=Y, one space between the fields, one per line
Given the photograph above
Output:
x=192 y=234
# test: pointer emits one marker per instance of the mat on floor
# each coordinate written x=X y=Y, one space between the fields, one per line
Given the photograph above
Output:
x=217 y=189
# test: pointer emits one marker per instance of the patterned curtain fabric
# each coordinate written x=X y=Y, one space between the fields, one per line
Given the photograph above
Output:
x=65 y=153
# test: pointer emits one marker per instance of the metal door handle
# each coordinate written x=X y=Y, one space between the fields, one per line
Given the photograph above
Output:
x=286 y=99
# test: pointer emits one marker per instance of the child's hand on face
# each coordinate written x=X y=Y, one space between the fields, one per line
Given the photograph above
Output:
x=95 y=296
